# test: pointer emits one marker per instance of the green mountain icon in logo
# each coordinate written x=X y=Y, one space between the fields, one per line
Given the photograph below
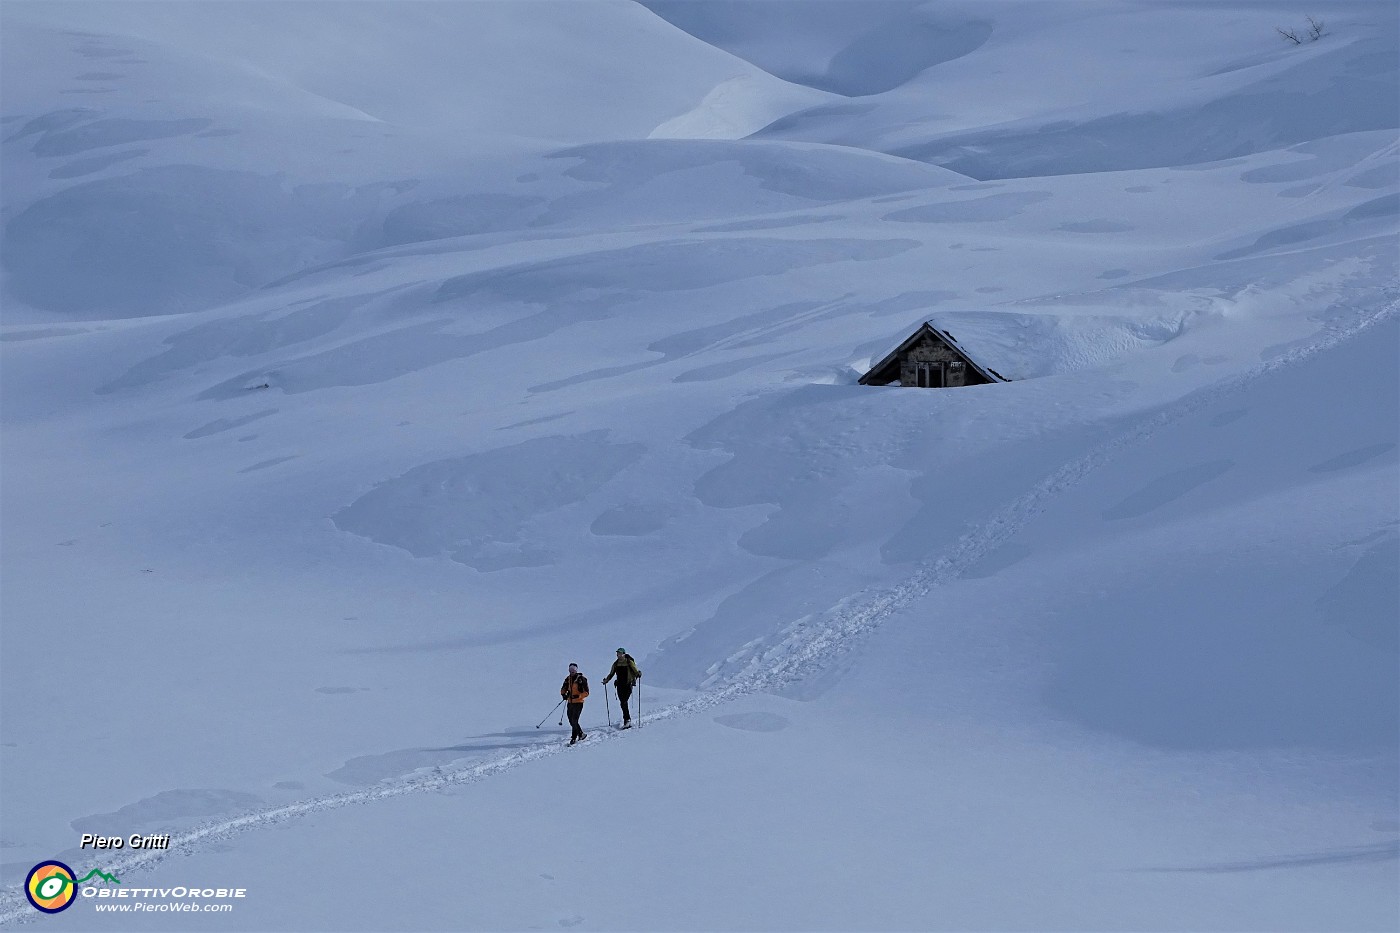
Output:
x=99 y=873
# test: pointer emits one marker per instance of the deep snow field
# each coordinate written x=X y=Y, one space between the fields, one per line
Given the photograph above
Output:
x=366 y=363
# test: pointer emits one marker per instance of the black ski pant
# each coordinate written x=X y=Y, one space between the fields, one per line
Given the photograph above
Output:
x=575 y=710
x=624 y=693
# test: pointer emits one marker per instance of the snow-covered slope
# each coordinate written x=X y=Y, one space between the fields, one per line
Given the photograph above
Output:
x=1033 y=90
x=342 y=412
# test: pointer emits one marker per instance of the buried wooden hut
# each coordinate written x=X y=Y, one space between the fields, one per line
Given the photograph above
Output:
x=930 y=359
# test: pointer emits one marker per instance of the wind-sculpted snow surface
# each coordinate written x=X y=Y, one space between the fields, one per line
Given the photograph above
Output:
x=340 y=417
x=198 y=214
x=1345 y=90
x=476 y=507
x=161 y=241
x=253 y=335
x=814 y=642
x=1239 y=91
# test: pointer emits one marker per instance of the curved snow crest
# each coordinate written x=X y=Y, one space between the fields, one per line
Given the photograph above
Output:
x=739 y=106
x=377 y=58
x=807 y=647
x=850 y=50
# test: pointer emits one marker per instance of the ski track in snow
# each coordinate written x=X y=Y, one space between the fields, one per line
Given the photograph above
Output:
x=806 y=647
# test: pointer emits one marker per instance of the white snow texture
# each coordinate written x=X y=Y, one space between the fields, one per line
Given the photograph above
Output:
x=364 y=364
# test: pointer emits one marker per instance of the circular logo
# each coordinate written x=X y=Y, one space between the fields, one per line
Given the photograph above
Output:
x=50 y=887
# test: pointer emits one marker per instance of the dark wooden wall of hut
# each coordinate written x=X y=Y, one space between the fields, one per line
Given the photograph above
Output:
x=931 y=350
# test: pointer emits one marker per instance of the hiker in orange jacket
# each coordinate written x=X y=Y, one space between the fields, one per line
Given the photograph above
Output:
x=574 y=692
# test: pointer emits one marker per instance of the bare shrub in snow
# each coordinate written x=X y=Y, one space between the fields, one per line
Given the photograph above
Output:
x=1316 y=30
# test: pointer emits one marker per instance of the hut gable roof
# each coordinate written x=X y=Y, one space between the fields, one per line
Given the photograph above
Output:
x=887 y=370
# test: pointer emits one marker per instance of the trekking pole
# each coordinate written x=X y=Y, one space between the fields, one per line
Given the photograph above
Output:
x=608 y=704
x=639 y=702
x=551 y=713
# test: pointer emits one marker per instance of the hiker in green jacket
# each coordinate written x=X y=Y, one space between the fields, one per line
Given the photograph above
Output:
x=627 y=673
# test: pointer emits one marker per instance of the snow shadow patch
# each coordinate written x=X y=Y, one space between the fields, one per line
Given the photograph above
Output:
x=264 y=464
x=851 y=49
x=52 y=122
x=477 y=509
x=1372 y=852
x=371 y=769
x=247 y=335
x=94 y=164
x=661 y=267
x=43 y=333
x=219 y=425
x=1364 y=602
x=168 y=808
x=1348 y=90
x=175 y=238
x=677 y=180
x=632 y=520
x=99 y=134
x=463 y=215
x=889 y=55
x=772 y=464
x=725 y=370
x=1327 y=228
x=988 y=209
x=1095 y=226
x=770 y=223
x=1320 y=158
x=1352 y=458
x=1167 y=489
x=747 y=623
